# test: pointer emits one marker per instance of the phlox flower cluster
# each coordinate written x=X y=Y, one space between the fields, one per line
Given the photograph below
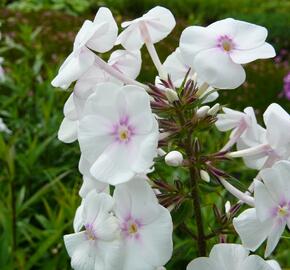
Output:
x=120 y=223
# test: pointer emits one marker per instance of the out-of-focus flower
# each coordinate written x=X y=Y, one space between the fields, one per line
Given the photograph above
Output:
x=98 y=246
x=4 y=128
x=128 y=63
x=286 y=86
x=218 y=51
x=99 y=35
x=229 y=257
x=146 y=226
x=272 y=209
x=112 y=133
x=152 y=27
x=2 y=73
x=174 y=158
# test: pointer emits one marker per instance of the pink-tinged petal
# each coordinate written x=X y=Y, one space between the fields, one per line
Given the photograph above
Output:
x=251 y=231
x=126 y=62
x=76 y=64
x=68 y=131
x=131 y=38
x=218 y=70
x=274 y=265
x=201 y=264
x=274 y=237
x=245 y=35
x=230 y=119
x=246 y=56
x=228 y=256
x=264 y=202
x=103 y=41
x=193 y=40
x=255 y=262
x=277 y=181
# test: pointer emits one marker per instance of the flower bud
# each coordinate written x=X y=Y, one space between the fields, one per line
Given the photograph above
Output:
x=202 y=111
x=174 y=158
x=214 y=109
x=161 y=152
x=227 y=208
x=171 y=95
x=204 y=176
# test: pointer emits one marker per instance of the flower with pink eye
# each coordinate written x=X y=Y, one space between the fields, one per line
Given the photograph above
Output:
x=118 y=133
x=217 y=52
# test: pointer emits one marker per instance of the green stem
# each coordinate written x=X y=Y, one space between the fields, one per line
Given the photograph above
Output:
x=194 y=177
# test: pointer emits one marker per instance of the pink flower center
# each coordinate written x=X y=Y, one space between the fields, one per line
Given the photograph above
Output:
x=225 y=43
x=131 y=228
x=123 y=131
x=282 y=211
x=90 y=233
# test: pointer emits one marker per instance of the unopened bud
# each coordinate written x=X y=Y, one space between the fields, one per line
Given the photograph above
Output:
x=174 y=158
x=202 y=111
x=161 y=152
x=214 y=109
x=204 y=176
x=228 y=208
x=171 y=95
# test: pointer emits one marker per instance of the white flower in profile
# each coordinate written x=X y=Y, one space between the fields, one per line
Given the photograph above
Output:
x=146 y=226
x=128 y=63
x=97 y=247
x=99 y=35
x=272 y=209
x=262 y=148
x=118 y=133
x=229 y=257
x=217 y=52
x=176 y=68
x=152 y=27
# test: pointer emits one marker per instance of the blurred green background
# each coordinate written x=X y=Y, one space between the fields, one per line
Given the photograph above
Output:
x=39 y=179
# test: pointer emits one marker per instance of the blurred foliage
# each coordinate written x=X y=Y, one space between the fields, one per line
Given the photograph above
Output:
x=39 y=179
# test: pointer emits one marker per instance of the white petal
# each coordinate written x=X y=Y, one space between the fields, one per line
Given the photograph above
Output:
x=277 y=181
x=264 y=202
x=97 y=207
x=69 y=109
x=274 y=237
x=156 y=239
x=193 y=40
x=228 y=256
x=229 y=120
x=131 y=38
x=200 y=264
x=255 y=262
x=78 y=219
x=277 y=121
x=76 y=64
x=251 y=231
x=89 y=183
x=217 y=69
x=245 y=35
x=246 y=56
x=67 y=132
x=127 y=62
x=274 y=264
x=103 y=41
x=73 y=241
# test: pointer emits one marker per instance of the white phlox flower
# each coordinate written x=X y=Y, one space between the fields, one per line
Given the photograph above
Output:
x=217 y=52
